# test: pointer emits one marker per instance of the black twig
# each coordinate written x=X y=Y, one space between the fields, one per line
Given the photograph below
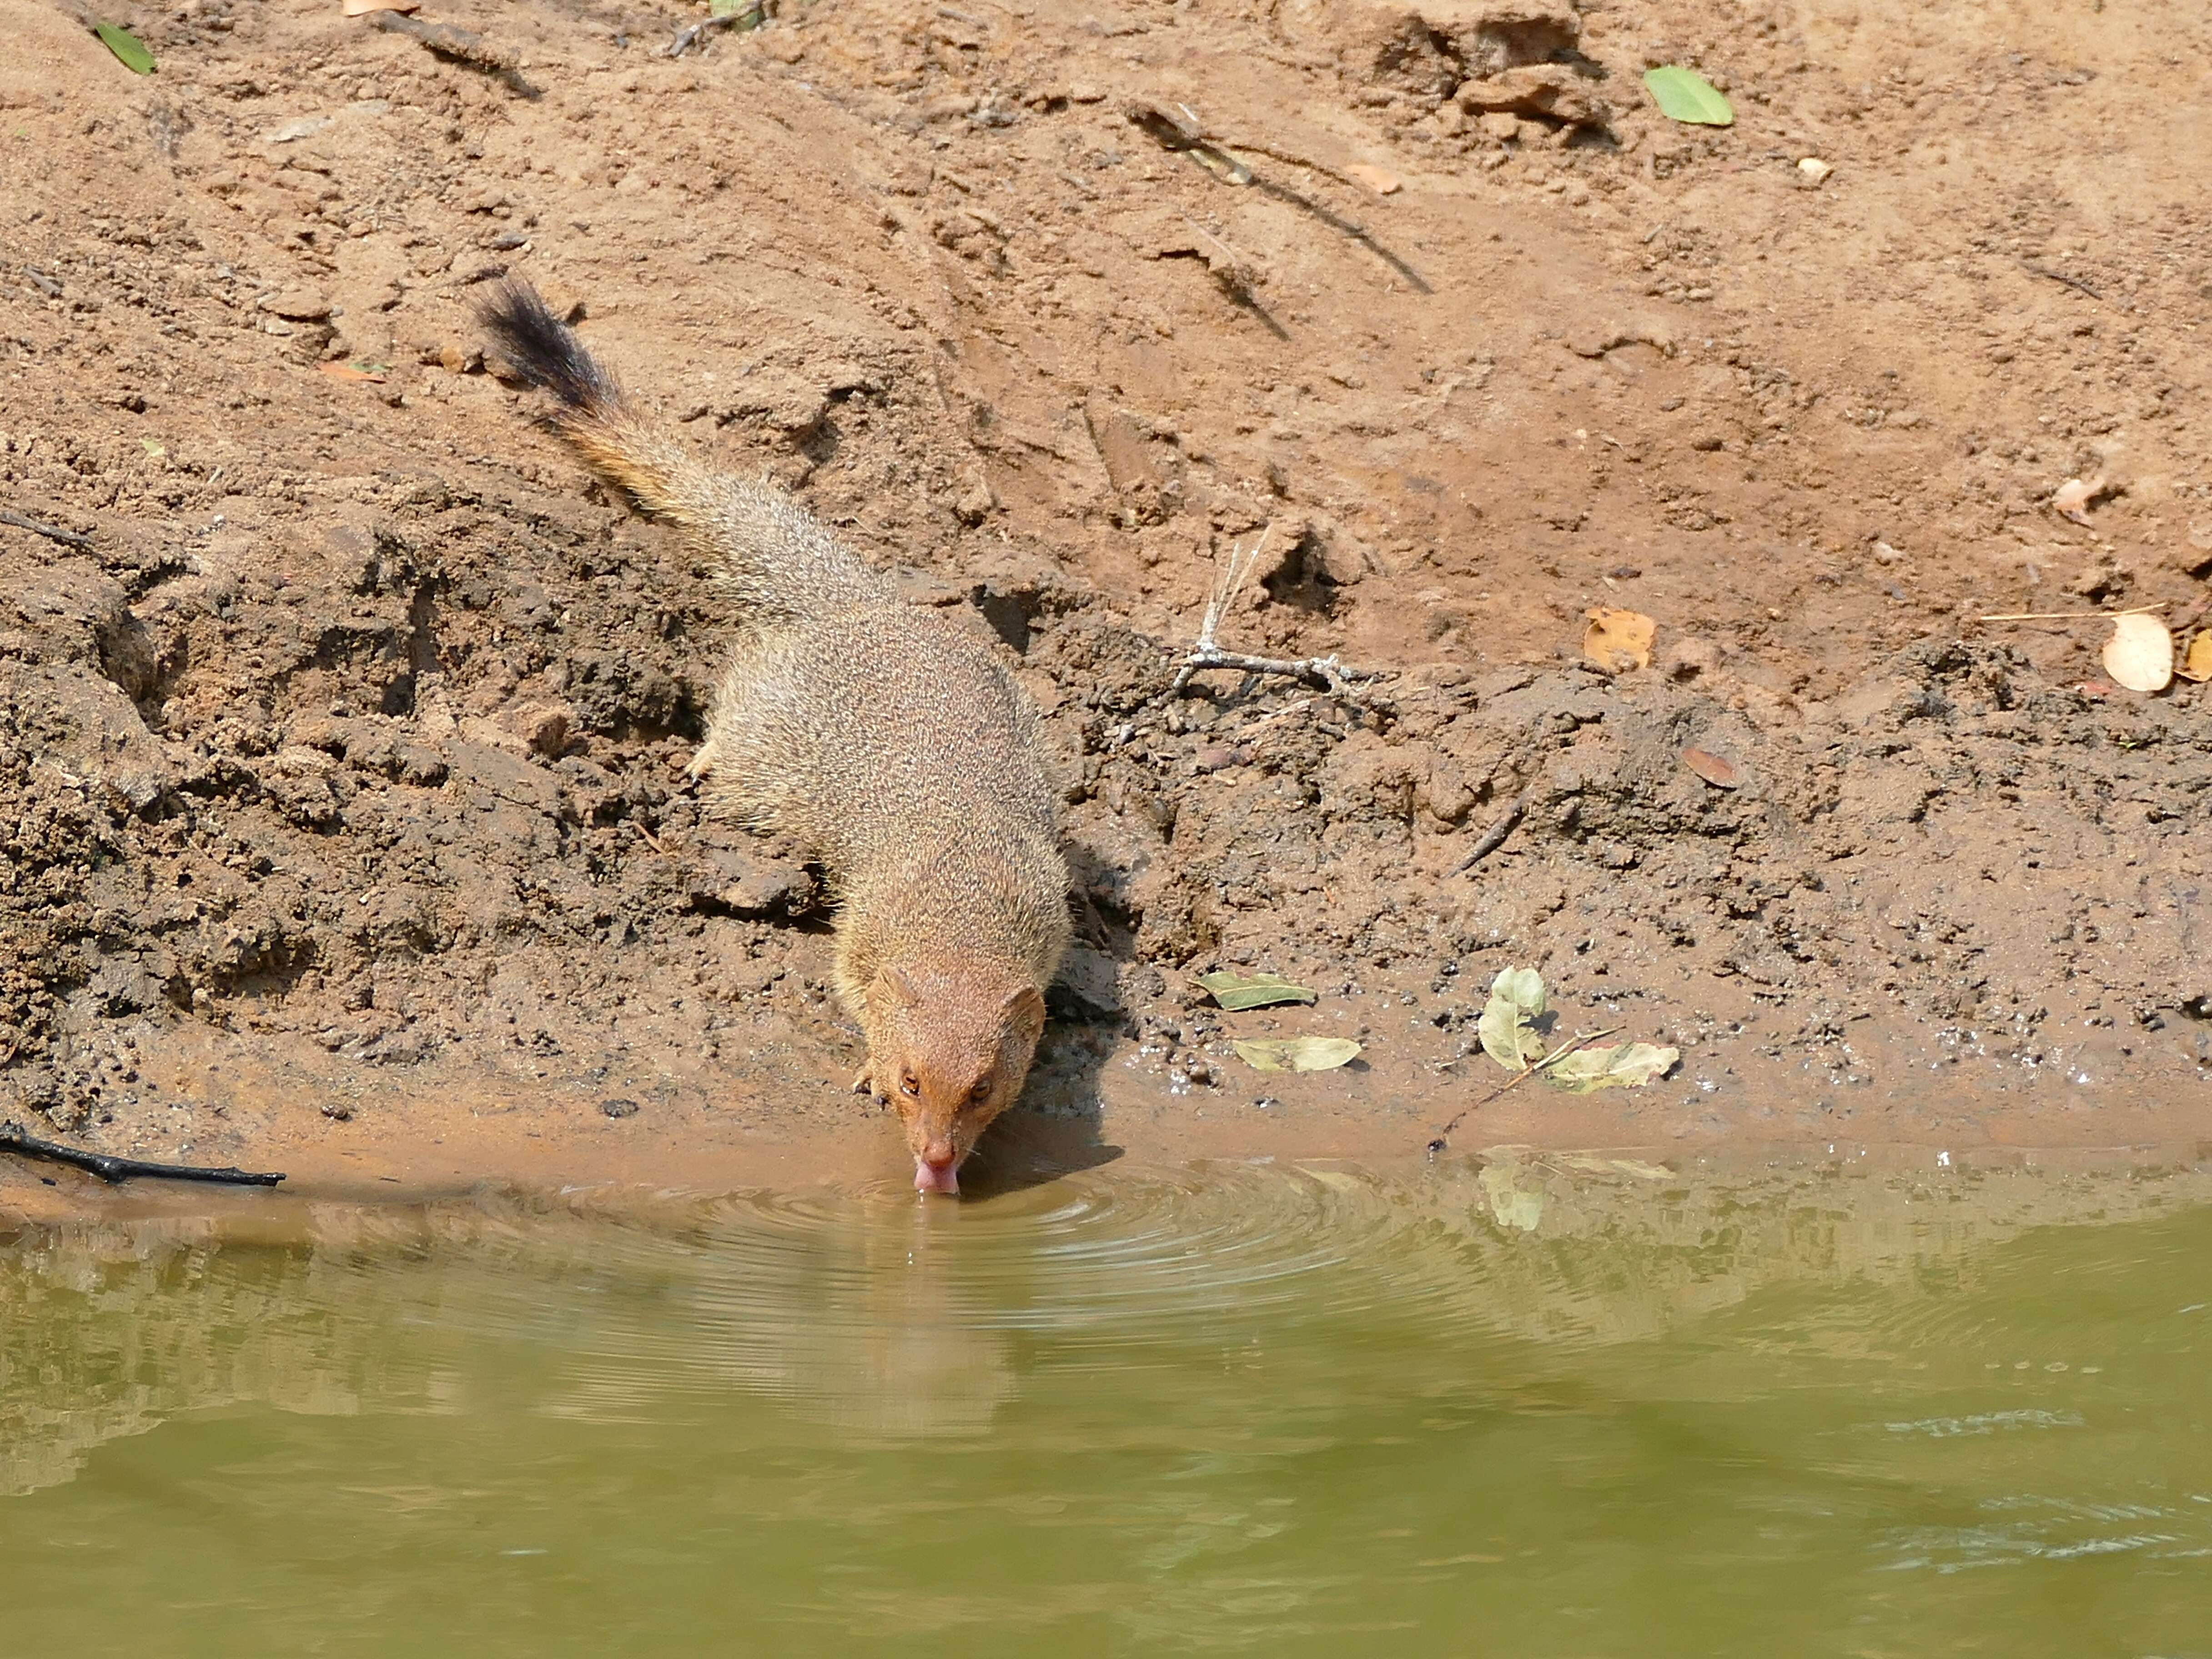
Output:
x=1494 y=837
x=1441 y=1140
x=2074 y=283
x=114 y=1170
x=53 y=532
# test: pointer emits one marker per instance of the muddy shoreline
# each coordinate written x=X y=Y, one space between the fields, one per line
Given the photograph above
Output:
x=344 y=722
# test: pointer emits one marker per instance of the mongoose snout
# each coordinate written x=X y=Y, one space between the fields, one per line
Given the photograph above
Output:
x=881 y=740
x=949 y=1049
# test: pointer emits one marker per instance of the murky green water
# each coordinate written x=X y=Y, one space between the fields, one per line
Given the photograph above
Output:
x=1535 y=1408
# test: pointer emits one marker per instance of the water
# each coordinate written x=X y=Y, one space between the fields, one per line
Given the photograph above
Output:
x=1542 y=1406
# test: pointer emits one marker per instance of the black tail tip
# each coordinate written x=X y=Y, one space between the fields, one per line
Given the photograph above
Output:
x=540 y=349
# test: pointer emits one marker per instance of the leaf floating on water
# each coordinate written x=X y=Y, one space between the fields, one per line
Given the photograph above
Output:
x=1718 y=771
x=1237 y=992
x=130 y=51
x=1302 y=1054
x=1624 y=1066
x=1685 y=95
x=1508 y=1026
x=2140 y=653
x=2197 y=663
x=1590 y=1163
x=1618 y=641
x=1519 y=1207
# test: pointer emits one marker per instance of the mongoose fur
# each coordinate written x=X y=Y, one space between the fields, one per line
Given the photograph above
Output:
x=880 y=738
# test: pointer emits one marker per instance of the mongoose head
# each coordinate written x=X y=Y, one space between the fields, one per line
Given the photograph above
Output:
x=950 y=1048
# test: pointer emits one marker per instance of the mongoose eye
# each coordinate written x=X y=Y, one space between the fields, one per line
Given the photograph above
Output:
x=910 y=1086
x=981 y=1092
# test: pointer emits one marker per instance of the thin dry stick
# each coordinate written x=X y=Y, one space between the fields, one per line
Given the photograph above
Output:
x=2076 y=615
x=1443 y=1135
x=51 y=532
x=1494 y=837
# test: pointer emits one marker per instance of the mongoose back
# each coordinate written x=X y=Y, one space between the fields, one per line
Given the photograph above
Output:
x=884 y=742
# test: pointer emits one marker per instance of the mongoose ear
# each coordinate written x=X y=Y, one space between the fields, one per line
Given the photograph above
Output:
x=900 y=985
x=1024 y=1007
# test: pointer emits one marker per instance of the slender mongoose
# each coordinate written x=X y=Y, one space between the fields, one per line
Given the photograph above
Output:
x=880 y=738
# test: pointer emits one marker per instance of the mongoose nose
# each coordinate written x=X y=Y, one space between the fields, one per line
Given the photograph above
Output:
x=934 y=1171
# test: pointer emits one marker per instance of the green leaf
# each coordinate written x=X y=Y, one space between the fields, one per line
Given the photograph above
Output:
x=1508 y=1027
x=1685 y=95
x=749 y=13
x=1627 y=1065
x=130 y=51
x=1304 y=1053
x=1236 y=992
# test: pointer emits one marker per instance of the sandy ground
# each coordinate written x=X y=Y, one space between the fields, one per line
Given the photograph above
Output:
x=343 y=732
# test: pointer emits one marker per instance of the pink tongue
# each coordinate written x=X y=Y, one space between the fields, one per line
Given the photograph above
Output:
x=934 y=1178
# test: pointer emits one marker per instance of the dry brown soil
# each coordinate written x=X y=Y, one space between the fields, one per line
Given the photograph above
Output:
x=342 y=743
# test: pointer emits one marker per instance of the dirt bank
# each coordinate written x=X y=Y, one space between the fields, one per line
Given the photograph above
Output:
x=343 y=732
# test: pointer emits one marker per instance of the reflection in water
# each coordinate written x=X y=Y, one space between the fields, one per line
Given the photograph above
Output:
x=1255 y=1406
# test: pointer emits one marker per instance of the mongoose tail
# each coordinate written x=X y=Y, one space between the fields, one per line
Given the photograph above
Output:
x=779 y=564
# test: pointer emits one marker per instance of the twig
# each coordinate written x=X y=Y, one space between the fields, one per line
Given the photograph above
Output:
x=1232 y=579
x=1329 y=671
x=690 y=36
x=1494 y=837
x=1443 y=1137
x=458 y=45
x=51 y=531
x=2075 y=283
x=2076 y=615
x=114 y=1170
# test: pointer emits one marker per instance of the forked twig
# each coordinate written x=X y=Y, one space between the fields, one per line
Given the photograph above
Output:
x=1443 y=1137
x=1231 y=581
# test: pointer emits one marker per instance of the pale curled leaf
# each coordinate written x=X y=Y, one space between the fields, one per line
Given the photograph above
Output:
x=2140 y=653
x=1685 y=95
x=1237 y=992
x=1303 y=1053
x=1507 y=1024
x=1623 y=1066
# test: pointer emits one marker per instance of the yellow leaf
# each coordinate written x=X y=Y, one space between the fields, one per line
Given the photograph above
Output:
x=1618 y=641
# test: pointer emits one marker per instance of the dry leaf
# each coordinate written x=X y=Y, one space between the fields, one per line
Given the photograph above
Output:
x=2197 y=663
x=1508 y=1025
x=1718 y=771
x=362 y=8
x=1303 y=1053
x=1618 y=641
x=1627 y=1065
x=1237 y=992
x=2071 y=499
x=1381 y=180
x=351 y=372
x=2140 y=653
